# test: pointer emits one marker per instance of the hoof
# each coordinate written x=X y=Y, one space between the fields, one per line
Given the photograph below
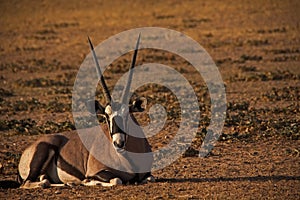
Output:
x=44 y=184
x=115 y=181
x=150 y=179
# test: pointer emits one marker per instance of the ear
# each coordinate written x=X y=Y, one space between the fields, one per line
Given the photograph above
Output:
x=138 y=105
x=94 y=107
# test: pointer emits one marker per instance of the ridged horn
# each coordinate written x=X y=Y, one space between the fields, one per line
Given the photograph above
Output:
x=128 y=84
x=100 y=75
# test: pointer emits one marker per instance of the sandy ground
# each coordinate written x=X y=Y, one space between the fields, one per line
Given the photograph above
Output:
x=255 y=44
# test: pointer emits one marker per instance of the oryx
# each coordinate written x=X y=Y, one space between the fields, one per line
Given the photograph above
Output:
x=60 y=159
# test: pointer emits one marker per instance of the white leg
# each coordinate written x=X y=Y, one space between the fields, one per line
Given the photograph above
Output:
x=58 y=185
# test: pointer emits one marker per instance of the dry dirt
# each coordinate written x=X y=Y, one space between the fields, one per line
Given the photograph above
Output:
x=255 y=44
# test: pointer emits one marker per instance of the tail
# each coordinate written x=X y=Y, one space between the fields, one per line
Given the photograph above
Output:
x=19 y=179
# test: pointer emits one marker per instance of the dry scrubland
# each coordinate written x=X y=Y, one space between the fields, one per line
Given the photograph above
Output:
x=255 y=44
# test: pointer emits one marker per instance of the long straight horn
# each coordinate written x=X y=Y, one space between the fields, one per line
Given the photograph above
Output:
x=100 y=75
x=128 y=84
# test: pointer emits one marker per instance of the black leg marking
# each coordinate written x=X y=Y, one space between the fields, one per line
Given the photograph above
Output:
x=19 y=179
x=38 y=165
x=65 y=166
x=104 y=176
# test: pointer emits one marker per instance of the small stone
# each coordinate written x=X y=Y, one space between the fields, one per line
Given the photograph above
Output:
x=57 y=192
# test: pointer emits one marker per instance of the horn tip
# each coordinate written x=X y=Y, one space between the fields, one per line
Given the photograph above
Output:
x=90 y=42
x=138 y=41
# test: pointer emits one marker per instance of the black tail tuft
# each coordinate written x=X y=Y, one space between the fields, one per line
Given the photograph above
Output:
x=19 y=179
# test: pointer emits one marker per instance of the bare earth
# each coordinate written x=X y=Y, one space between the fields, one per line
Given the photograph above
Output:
x=255 y=44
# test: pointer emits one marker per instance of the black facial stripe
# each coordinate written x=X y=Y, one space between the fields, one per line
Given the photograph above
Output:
x=117 y=125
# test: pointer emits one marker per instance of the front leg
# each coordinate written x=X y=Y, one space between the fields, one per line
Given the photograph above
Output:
x=112 y=182
x=105 y=178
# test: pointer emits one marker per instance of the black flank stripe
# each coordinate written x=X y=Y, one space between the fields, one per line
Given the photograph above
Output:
x=104 y=176
x=68 y=168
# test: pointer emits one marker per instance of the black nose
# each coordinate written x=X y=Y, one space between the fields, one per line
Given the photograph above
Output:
x=119 y=144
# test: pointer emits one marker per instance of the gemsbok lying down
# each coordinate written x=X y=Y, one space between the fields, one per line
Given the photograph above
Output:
x=62 y=159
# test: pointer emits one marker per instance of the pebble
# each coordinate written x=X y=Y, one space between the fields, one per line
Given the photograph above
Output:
x=57 y=192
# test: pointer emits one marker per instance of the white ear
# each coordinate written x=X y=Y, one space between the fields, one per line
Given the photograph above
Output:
x=108 y=110
x=139 y=105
